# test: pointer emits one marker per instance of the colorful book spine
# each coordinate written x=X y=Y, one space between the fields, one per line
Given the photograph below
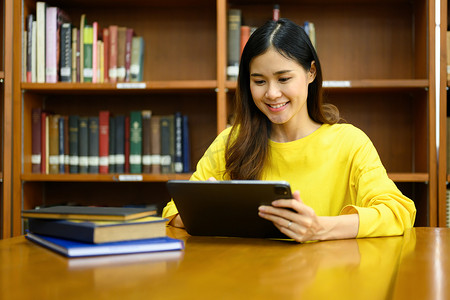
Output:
x=146 y=141
x=137 y=59
x=121 y=49
x=65 y=71
x=41 y=8
x=106 y=46
x=34 y=53
x=36 y=140
x=128 y=43
x=30 y=20
x=104 y=116
x=83 y=143
x=112 y=74
x=73 y=144
x=75 y=54
x=120 y=143
x=112 y=145
x=94 y=52
x=88 y=54
x=53 y=139
x=135 y=142
x=155 y=125
x=93 y=145
x=81 y=50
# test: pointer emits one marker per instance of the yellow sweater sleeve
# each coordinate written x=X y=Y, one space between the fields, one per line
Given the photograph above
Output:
x=383 y=210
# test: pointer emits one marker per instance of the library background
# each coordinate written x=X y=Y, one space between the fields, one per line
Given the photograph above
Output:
x=103 y=102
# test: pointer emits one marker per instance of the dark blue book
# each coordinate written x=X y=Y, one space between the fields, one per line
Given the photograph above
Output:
x=112 y=145
x=71 y=248
x=96 y=232
x=93 y=145
x=83 y=145
x=61 y=142
x=120 y=144
x=178 y=154
x=73 y=144
x=186 y=146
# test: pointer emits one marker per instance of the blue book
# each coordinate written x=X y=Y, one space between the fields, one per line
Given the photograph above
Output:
x=186 y=145
x=71 y=248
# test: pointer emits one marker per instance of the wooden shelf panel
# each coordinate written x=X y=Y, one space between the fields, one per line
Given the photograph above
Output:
x=105 y=177
x=128 y=87
x=364 y=85
x=409 y=177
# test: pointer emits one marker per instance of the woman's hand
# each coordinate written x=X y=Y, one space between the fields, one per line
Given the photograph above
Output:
x=302 y=224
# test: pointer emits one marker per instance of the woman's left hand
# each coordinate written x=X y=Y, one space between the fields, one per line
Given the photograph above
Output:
x=300 y=223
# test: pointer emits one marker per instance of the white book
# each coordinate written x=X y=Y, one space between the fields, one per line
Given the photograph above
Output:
x=33 y=53
x=40 y=46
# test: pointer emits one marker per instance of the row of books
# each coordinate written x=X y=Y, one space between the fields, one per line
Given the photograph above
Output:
x=239 y=33
x=79 y=231
x=56 y=50
x=135 y=143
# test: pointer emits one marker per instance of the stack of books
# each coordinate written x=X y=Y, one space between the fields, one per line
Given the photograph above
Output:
x=78 y=231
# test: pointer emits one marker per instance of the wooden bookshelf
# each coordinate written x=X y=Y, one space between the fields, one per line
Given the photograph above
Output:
x=443 y=85
x=377 y=58
x=6 y=91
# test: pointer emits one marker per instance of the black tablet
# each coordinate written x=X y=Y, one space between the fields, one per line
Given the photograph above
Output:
x=227 y=208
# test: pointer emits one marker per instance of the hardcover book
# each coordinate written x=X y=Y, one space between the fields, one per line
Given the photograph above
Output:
x=128 y=43
x=178 y=159
x=135 y=142
x=36 y=140
x=100 y=231
x=112 y=74
x=93 y=145
x=234 y=43
x=121 y=50
x=55 y=17
x=167 y=144
x=186 y=145
x=146 y=141
x=104 y=141
x=73 y=144
x=78 y=249
x=65 y=70
x=88 y=53
x=137 y=59
x=155 y=126
x=112 y=145
x=67 y=212
x=53 y=155
x=41 y=8
x=83 y=143
x=120 y=143
x=30 y=20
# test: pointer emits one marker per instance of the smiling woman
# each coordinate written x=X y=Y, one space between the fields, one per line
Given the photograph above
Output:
x=284 y=131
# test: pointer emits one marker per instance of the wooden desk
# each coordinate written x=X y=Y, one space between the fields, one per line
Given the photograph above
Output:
x=413 y=266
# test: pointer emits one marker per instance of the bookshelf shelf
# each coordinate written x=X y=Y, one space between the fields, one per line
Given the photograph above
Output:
x=409 y=177
x=104 y=177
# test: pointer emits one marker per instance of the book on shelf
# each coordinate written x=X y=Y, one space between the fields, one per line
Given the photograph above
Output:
x=146 y=141
x=67 y=212
x=129 y=33
x=87 y=54
x=113 y=32
x=106 y=45
x=186 y=145
x=36 y=140
x=95 y=52
x=112 y=145
x=245 y=35
x=53 y=140
x=41 y=8
x=65 y=69
x=71 y=248
x=24 y=56
x=61 y=145
x=93 y=144
x=155 y=127
x=81 y=45
x=34 y=52
x=135 y=142
x=448 y=56
x=54 y=18
x=127 y=144
x=73 y=144
x=137 y=59
x=83 y=144
x=310 y=30
x=30 y=19
x=103 y=137
x=101 y=62
x=100 y=231
x=75 y=54
x=178 y=153
x=121 y=50
x=120 y=143
x=167 y=129
x=234 y=43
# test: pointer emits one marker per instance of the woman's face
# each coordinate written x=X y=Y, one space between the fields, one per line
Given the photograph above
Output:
x=279 y=87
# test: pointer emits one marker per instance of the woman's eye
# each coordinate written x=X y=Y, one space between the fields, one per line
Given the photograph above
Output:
x=284 y=79
x=259 y=82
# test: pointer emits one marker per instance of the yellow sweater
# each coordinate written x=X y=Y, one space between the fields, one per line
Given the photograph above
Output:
x=337 y=171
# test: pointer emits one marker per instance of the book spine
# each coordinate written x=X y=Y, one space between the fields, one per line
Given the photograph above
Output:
x=104 y=141
x=245 y=35
x=36 y=140
x=50 y=41
x=135 y=142
x=75 y=54
x=178 y=157
x=101 y=62
x=94 y=52
x=88 y=54
x=43 y=142
x=127 y=144
x=167 y=143
x=234 y=43
x=106 y=46
x=61 y=145
x=65 y=70
x=66 y=145
x=121 y=49
x=186 y=145
x=136 y=67
x=128 y=43
x=81 y=45
x=30 y=19
x=112 y=74
x=155 y=126
x=40 y=41
x=93 y=145
x=120 y=144
x=146 y=141
x=34 y=53
x=73 y=144
x=112 y=144
x=83 y=152
x=53 y=144
x=24 y=56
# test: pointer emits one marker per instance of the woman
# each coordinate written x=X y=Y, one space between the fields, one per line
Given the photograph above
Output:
x=283 y=131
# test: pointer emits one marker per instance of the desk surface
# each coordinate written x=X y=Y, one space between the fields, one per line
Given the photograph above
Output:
x=413 y=266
